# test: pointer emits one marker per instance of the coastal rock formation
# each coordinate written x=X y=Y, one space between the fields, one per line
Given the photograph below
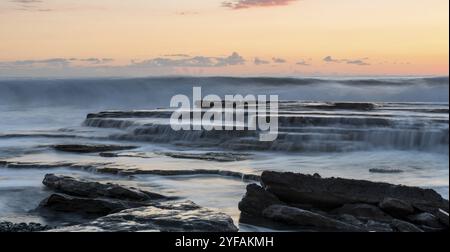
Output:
x=163 y=217
x=78 y=187
x=126 y=209
x=335 y=192
x=336 y=204
x=84 y=148
x=95 y=206
x=297 y=216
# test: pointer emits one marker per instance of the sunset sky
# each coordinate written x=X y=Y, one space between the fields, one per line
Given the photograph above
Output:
x=93 y=38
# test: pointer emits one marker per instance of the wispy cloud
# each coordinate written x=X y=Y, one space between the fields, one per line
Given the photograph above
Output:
x=259 y=61
x=54 y=62
x=303 y=63
x=197 y=61
x=245 y=4
x=278 y=60
x=359 y=62
x=30 y=5
x=177 y=55
x=187 y=13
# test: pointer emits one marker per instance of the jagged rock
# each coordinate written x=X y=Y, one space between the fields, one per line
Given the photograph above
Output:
x=335 y=192
x=443 y=217
x=98 y=206
x=396 y=207
x=78 y=148
x=78 y=187
x=164 y=217
x=256 y=200
x=403 y=226
x=304 y=218
x=426 y=219
x=9 y=227
x=362 y=211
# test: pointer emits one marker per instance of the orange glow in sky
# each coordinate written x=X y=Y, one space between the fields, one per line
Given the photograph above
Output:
x=198 y=37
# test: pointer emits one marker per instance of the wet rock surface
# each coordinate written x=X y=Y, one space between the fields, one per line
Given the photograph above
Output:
x=95 y=206
x=164 y=217
x=125 y=209
x=76 y=148
x=209 y=156
x=335 y=192
x=343 y=205
x=9 y=227
x=79 y=187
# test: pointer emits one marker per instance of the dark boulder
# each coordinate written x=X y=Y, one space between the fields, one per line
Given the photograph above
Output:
x=98 y=206
x=396 y=207
x=365 y=211
x=335 y=192
x=82 y=188
x=256 y=200
x=304 y=218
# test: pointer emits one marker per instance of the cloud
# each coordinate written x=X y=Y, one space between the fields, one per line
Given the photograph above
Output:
x=53 y=62
x=278 y=60
x=259 y=61
x=359 y=62
x=197 y=61
x=30 y=63
x=177 y=55
x=186 y=13
x=30 y=5
x=95 y=60
x=302 y=63
x=330 y=59
x=245 y=4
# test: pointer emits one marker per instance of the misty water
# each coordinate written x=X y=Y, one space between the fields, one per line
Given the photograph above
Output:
x=402 y=139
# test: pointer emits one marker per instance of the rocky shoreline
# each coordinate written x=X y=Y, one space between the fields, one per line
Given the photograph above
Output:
x=309 y=202
x=286 y=201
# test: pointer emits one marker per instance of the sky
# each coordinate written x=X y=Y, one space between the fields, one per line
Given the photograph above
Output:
x=97 y=38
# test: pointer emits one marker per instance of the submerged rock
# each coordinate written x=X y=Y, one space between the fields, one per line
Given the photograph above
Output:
x=78 y=148
x=83 y=188
x=163 y=217
x=335 y=192
x=209 y=156
x=9 y=227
